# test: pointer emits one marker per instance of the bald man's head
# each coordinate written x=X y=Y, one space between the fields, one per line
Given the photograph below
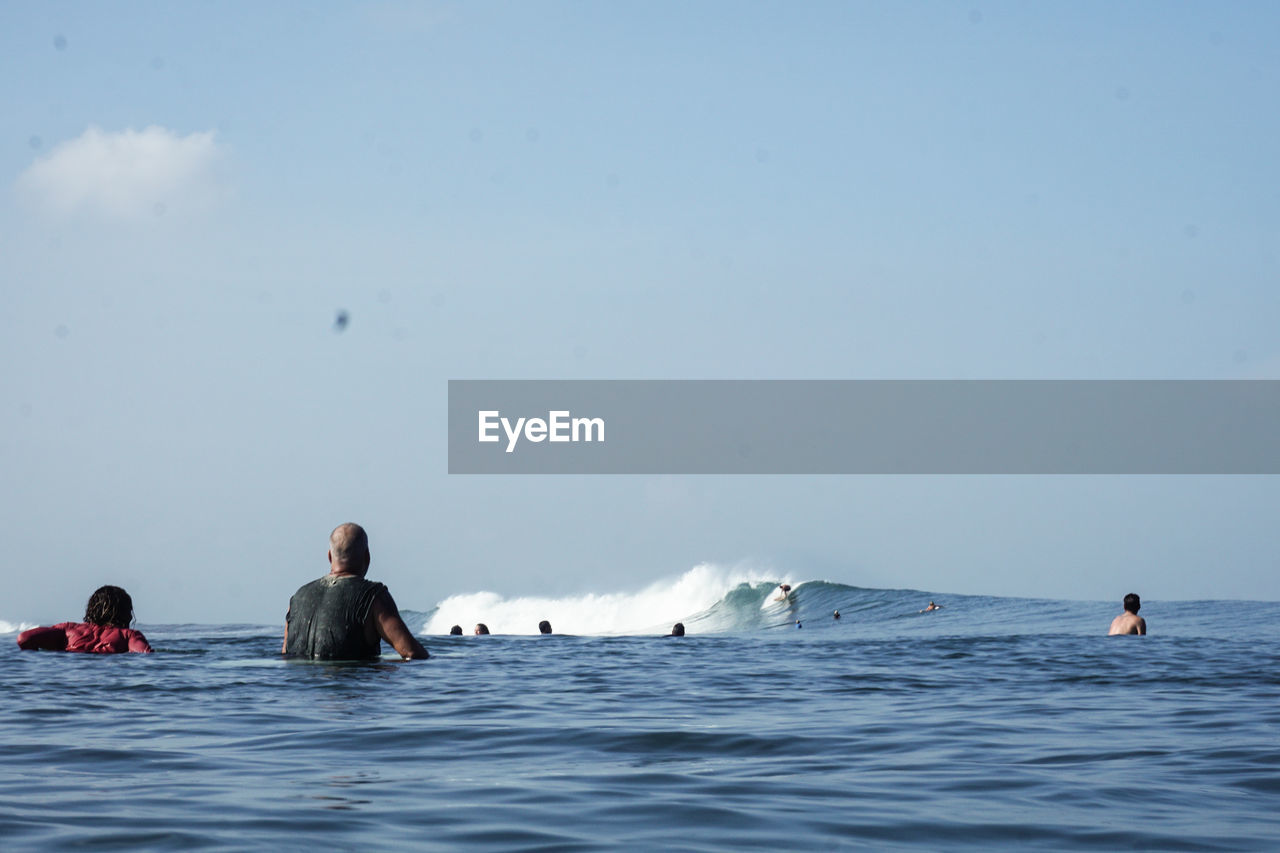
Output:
x=349 y=549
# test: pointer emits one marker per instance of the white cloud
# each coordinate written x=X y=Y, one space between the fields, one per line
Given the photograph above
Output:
x=125 y=175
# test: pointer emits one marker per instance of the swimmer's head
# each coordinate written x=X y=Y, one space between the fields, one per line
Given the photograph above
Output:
x=544 y=627
x=455 y=631
x=785 y=587
x=837 y=615
x=482 y=628
x=109 y=606
x=677 y=630
x=1132 y=603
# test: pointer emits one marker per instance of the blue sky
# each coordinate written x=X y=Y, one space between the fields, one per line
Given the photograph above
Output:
x=188 y=194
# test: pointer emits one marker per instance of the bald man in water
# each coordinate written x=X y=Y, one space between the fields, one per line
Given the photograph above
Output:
x=342 y=616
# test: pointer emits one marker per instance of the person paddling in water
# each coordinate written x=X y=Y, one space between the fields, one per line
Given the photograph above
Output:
x=342 y=616
x=1129 y=622
x=931 y=607
x=105 y=628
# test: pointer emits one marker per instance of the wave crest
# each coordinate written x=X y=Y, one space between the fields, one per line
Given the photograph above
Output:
x=651 y=610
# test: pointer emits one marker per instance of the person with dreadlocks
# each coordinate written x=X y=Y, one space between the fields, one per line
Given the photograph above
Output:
x=105 y=628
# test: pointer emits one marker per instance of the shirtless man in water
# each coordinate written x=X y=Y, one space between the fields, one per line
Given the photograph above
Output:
x=1129 y=622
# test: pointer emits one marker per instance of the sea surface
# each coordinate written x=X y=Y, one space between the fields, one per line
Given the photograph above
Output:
x=991 y=723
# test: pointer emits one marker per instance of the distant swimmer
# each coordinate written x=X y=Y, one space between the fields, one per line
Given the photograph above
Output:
x=105 y=628
x=931 y=607
x=784 y=592
x=1129 y=622
x=677 y=630
x=798 y=625
x=837 y=615
x=544 y=627
x=481 y=628
x=455 y=631
x=343 y=616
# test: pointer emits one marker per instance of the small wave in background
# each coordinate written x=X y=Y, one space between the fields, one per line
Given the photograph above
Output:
x=694 y=596
x=711 y=599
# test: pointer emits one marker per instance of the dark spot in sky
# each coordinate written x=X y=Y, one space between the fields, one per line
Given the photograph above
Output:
x=1122 y=94
x=341 y=320
x=1188 y=296
x=762 y=155
x=157 y=63
x=476 y=134
x=612 y=179
x=975 y=16
x=1191 y=232
x=61 y=331
x=60 y=42
x=35 y=142
x=531 y=134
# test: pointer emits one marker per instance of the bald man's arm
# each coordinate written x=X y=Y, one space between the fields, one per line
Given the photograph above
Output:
x=386 y=617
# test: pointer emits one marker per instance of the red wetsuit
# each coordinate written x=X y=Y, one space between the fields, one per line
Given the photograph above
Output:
x=84 y=637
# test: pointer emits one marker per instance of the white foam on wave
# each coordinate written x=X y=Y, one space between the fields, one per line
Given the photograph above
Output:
x=14 y=627
x=655 y=607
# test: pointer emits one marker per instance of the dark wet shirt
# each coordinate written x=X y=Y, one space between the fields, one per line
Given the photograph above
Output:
x=327 y=619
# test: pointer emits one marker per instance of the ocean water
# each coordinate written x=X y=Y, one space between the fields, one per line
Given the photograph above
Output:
x=994 y=722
